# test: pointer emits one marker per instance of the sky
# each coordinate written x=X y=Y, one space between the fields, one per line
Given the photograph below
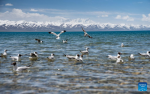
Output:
x=135 y=12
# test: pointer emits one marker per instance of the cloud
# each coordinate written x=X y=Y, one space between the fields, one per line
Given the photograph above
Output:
x=18 y=14
x=124 y=18
x=33 y=10
x=104 y=15
x=8 y=4
x=146 y=18
x=118 y=17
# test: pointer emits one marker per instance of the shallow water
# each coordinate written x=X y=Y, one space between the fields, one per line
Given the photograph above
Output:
x=97 y=74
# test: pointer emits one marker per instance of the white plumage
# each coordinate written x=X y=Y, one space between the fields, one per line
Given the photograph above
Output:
x=86 y=51
x=51 y=57
x=119 y=59
x=4 y=54
x=16 y=68
x=57 y=35
x=71 y=57
x=145 y=54
x=114 y=57
x=16 y=58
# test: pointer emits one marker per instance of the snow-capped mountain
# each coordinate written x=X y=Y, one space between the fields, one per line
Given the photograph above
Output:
x=70 y=25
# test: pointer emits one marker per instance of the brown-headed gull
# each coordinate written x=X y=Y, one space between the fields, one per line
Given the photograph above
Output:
x=85 y=33
x=145 y=54
x=16 y=58
x=39 y=41
x=86 y=51
x=33 y=56
x=65 y=41
x=122 y=45
x=114 y=57
x=131 y=57
x=16 y=68
x=4 y=54
x=80 y=58
x=71 y=57
x=119 y=59
x=51 y=57
x=57 y=35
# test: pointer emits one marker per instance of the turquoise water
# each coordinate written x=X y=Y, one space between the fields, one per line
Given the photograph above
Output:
x=96 y=74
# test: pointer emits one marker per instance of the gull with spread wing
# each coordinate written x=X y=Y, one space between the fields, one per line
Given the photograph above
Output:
x=85 y=33
x=57 y=35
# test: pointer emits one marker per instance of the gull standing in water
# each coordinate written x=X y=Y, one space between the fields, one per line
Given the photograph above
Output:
x=119 y=59
x=65 y=41
x=4 y=54
x=86 y=34
x=16 y=68
x=71 y=57
x=33 y=56
x=86 y=51
x=114 y=57
x=51 y=57
x=57 y=35
x=16 y=58
x=39 y=41
x=145 y=54
x=131 y=57
x=80 y=58
x=122 y=45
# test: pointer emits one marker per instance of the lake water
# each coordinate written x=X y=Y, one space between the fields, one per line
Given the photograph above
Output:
x=97 y=73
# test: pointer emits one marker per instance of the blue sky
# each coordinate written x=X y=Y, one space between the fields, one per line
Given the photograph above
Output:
x=100 y=11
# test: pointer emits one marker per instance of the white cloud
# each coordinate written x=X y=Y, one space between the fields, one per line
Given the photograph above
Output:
x=128 y=18
x=33 y=10
x=8 y=4
x=104 y=15
x=18 y=14
x=146 y=18
x=118 y=17
x=124 y=18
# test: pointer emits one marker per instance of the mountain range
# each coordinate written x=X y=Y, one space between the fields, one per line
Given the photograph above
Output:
x=69 y=25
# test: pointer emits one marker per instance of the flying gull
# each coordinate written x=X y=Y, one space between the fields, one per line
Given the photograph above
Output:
x=85 y=33
x=57 y=35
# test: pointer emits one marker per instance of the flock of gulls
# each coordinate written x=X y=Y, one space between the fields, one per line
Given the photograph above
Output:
x=77 y=57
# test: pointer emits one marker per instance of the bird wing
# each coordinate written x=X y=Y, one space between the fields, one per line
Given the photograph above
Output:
x=70 y=57
x=112 y=57
x=61 y=32
x=32 y=55
x=53 y=33
x=22 y=68
x=14 y=58
x=89 y=36
x=38 y=40
x=143 y=54
x=83 y=30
